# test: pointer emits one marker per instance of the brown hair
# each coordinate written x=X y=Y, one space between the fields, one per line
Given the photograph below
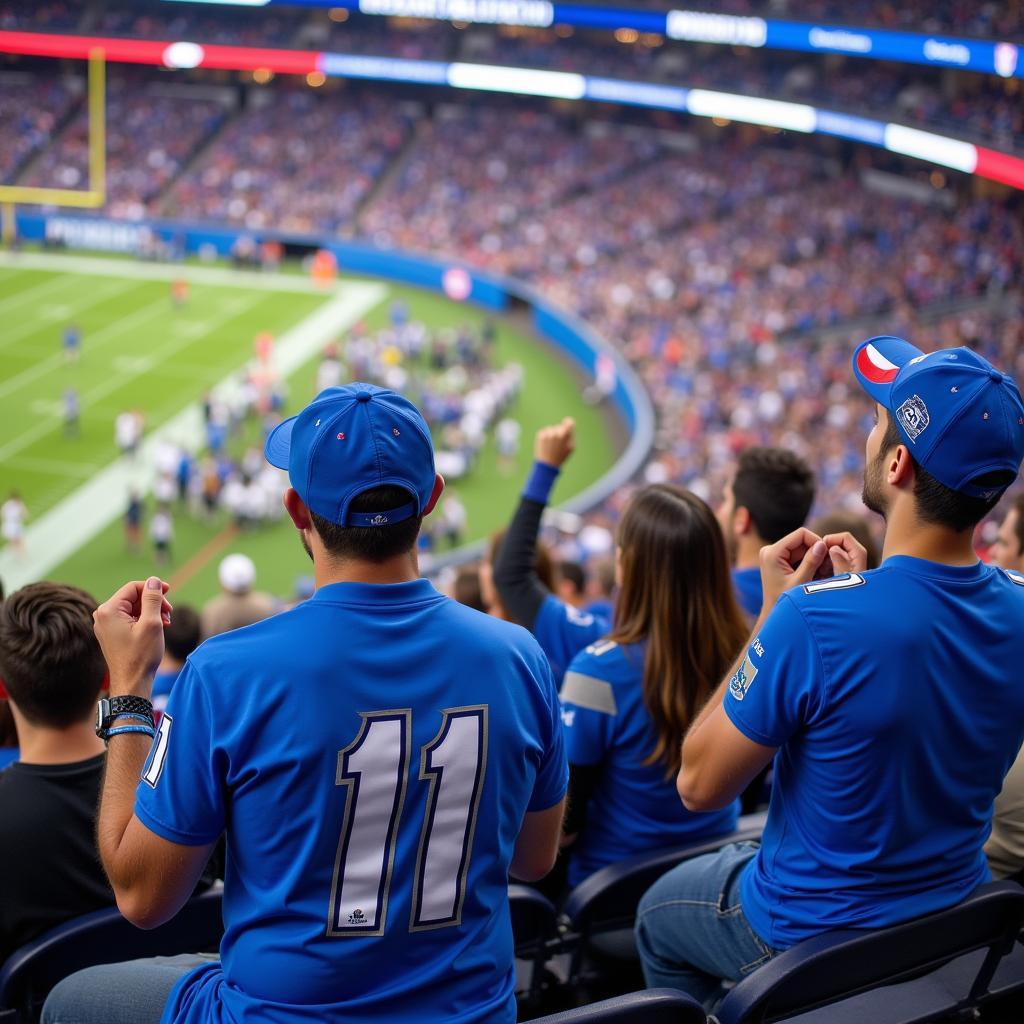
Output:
x=849 y=522
x=50 y=661
x=676 y=595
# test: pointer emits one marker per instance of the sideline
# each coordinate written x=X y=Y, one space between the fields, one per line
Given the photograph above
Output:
x=63 y=529
x=195 y=274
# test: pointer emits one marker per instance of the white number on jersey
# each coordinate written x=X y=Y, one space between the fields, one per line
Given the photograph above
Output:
x=152 y=771
x=374 y=769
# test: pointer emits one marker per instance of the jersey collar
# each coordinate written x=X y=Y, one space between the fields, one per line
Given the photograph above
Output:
x=378 y=594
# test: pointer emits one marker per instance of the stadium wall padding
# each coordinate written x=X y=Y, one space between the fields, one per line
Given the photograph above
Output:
x=566 y=333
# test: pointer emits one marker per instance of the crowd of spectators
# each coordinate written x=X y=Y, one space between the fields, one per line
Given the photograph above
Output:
x=151 y=132
x=296 y=160
x=26 y=128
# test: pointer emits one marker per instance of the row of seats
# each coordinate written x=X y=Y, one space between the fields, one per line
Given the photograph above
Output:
x=946 y=965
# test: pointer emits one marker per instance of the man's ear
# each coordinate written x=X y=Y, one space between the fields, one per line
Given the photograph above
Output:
x=434 y=494
x=742 y=523
x=297 y=510
x=900 y=467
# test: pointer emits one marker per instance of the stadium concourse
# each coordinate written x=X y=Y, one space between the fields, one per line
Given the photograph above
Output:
x=744 y=799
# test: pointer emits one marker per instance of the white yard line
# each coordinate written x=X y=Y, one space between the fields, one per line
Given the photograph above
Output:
x=95 y=340
x=29 y=293
x=162 y=272
x=55 y=467
x=69 y=311
x=62 y=530
x=234 y=307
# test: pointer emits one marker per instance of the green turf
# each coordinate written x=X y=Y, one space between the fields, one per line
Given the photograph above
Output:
x=155 y=364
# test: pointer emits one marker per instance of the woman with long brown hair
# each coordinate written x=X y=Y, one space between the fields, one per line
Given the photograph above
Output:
x=628 y=699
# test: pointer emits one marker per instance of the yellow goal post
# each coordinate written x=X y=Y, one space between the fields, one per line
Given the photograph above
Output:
x=95 y=195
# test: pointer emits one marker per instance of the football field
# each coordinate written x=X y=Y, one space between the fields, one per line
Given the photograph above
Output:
x=141 y=352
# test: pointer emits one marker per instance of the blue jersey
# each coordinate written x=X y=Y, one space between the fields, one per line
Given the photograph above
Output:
x=895 y=698
x=635 y=808
x=747 y=584
x=371 y=755
x=562 y=631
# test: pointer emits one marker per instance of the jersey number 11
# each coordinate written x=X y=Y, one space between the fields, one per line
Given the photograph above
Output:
x=374 y=768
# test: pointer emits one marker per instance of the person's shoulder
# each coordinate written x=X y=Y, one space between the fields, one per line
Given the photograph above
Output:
x=576 y=618
x=609 y=660
x=1014 y=577
x=846 y=591
x=245 y=643
x=478 y=627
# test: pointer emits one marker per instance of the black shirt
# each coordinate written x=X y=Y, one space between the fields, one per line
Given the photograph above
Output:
x=50 y=870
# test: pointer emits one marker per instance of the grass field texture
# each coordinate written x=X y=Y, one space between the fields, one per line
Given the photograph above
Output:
x=139 y=352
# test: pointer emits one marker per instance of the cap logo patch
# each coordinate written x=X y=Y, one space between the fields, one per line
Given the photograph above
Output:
x=379 y=520
x=913 y=417
x=875 y=367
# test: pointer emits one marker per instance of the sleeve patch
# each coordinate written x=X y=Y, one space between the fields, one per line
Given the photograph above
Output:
x=845 y=582
x=740 y=682
x=588 y=692
x=602 y=647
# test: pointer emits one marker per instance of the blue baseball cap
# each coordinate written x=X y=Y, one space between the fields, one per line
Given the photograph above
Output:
x=349 y=440
x=959 y=416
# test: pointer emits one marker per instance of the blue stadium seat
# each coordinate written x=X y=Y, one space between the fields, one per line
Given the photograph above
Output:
x=653 y=1006
x=597 y=917
x=534 y=928
x=949 y=962
x=103 y=937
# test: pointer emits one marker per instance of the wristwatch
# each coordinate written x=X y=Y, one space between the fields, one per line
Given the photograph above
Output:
x=109 y=708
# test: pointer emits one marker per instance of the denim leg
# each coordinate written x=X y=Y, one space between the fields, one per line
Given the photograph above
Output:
x=128 y=993
x=690 y=928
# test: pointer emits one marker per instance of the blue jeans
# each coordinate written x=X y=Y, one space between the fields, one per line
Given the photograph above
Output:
x=128 y=993
x=690 y=928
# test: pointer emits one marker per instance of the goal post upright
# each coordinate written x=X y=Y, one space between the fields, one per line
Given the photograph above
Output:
x=95 y=195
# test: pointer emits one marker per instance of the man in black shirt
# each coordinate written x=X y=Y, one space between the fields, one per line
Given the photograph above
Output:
x=52 y=671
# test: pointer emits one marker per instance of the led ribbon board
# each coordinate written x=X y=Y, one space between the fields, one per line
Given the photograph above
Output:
x=799 y=117
x=987 y=57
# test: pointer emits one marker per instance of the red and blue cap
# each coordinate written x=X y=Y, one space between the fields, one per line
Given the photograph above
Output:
x=960 y=417
x=349 y=440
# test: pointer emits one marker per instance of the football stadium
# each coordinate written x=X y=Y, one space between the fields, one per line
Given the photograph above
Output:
x=510 y=510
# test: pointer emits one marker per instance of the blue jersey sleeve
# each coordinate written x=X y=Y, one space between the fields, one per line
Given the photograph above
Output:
x=181 y=793
x=588 y=712
x=779 y=685
x=563 y=631
x=553 y=770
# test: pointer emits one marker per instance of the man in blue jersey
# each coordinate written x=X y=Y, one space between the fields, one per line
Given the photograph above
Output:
x=380 y=759
x=561 y=628
x=859 y=685
x=768 y=496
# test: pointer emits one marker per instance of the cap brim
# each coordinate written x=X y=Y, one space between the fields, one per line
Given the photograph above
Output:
x=279 y=444
x=878 y=361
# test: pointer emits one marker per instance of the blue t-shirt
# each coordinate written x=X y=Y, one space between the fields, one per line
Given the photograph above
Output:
x=747 y=584
x=562 y=631
x=8 y=755
x=895 y=698
x=635 y=808
x=371 y=754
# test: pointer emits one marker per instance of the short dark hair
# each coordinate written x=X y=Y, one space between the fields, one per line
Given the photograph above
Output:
x=50 y=661
x=182 y=636
x=939 y=504
x=574 y=573
x=776 y=487
x=371 y=543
